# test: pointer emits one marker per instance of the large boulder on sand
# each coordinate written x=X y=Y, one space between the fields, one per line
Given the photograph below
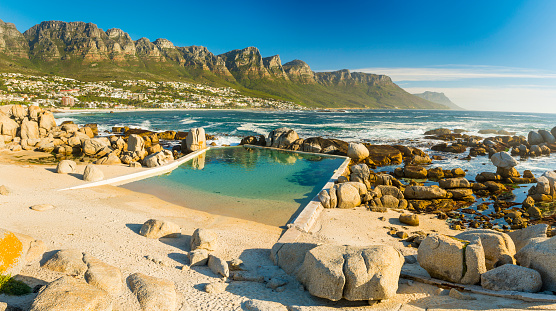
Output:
x=348 y=195
x=523 y=236
x=424 y=193
x=29 y=129
x=205 y=239
x=102 y=275
x=452 y=259
x=153 y=293
x=68 y=261
x=67 y=293
x=66 y=167
x=281 y=138
x=156 y=229
x=92 y=173
x=540 y=256
x=157 y=159
x=357 y=152
x=354 y=273
x=499 y=247
x=503 y=160
x=512 y=278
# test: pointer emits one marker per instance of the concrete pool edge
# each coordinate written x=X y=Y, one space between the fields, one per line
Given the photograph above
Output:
x=309 y=214
x=142 y=174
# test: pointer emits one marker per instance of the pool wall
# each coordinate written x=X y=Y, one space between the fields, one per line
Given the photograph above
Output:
x=142 y=174
x=309 y=214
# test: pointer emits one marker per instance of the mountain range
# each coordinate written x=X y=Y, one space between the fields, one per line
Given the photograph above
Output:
x=83 y=51
x=439 y=98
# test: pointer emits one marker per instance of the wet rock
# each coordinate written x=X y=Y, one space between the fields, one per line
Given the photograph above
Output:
x=435 y=173
x=281 y=138
x=156 y=229
x=438 y=131
x=503 y=160
x=67 y=293
x=547 y=136
x=384 y=155
x=257 y=141
x=409 y=219
x=153 y=293
x=507 y=173
x=424 y=193
x=205 y=239
x=218 y=266
x=415 y=172
x=534 y=138
x=461 y=194
x=494 y=186
x=512 y=278
x=450 y=183
x=102 y=275
x=68 y=261
x=92 y=173
x=357 y=152
x=498 y=247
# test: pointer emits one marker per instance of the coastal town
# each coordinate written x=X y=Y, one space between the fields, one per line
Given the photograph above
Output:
x=65 y=93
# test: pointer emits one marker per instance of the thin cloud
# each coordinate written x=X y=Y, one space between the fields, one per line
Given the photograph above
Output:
x=457 y=72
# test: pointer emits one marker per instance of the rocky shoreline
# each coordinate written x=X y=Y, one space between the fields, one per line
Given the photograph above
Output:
x=498 y=243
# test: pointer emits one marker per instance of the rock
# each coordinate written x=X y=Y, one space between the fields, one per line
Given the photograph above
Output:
x=495 y=186
x=66 y=167
x=384 y=155
x=94 y=146
x=424 y=193
x=70 y=127
x=135 y=143
x=389 y=190
x=534 y=138
x=454 y=293
x=290 y=256
x=360 y=173
x=156 y=229
x=541 y=256
x=498 y=246
x=263 y=305
x=198 y=257
x=92 y=173
x=507 y=173
x=103 y=276
x=218 y=266
x=512 y=278
x=158 y=159
x=12 y=253
x=534 y=212
x=348 y=196
x=324 y=199
x=153 y=293
x=42 y=207
x=357 y=152
x=236 y=264
x=47 y=121
x=464 y=194
x=19 y=112
x=29 y=129
x=34 y=112
x=4 y=190
x=443 y=258
x=111 y=159
x=195 y=140
x=68 y=261
x=547 y=137
x=215 y=287
x=389 y=201
x=354 y=273
x=281 y=138
x=474 y=262
x=409 y=219
x=450 y=183
x=503 y=160
x=67 y=293
x=135 y=164
x=276 y=282
x=523 y=236
x=415 y=172
x=205 y=239
x=4 y=306
x=8 y=126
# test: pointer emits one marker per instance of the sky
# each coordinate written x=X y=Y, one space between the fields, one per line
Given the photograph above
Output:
x=484 y=55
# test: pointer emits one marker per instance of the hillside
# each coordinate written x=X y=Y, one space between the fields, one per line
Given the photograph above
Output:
x=439 y=98
x=83 y=51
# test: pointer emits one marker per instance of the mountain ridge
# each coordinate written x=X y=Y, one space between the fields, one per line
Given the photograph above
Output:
x=84 y=51
x=439 y=98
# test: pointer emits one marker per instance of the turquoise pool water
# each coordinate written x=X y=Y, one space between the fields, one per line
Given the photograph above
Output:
x=263 y=185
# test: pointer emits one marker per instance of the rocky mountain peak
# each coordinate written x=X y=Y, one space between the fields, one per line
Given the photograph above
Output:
x=298 y=70
x=245 y=63
x=145 y=48
x=273 y=65
x=12 y=42
x=164 y=44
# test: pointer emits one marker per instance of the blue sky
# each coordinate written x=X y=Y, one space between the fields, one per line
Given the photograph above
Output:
x=490 y=55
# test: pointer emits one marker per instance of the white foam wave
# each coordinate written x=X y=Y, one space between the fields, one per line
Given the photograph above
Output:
x=251 y=127
x=187 y=121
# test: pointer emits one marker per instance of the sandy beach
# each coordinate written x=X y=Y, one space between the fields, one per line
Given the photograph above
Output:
x=104 y=222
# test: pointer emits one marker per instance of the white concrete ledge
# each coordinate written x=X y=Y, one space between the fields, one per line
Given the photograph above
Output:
x=141 y=175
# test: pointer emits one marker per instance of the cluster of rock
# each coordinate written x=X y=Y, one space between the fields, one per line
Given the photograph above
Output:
x=536 y=144
x=489 y=257
x=372 y=155
x=26 y=128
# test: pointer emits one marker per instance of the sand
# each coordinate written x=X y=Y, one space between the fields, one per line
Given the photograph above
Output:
x=104 y=221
